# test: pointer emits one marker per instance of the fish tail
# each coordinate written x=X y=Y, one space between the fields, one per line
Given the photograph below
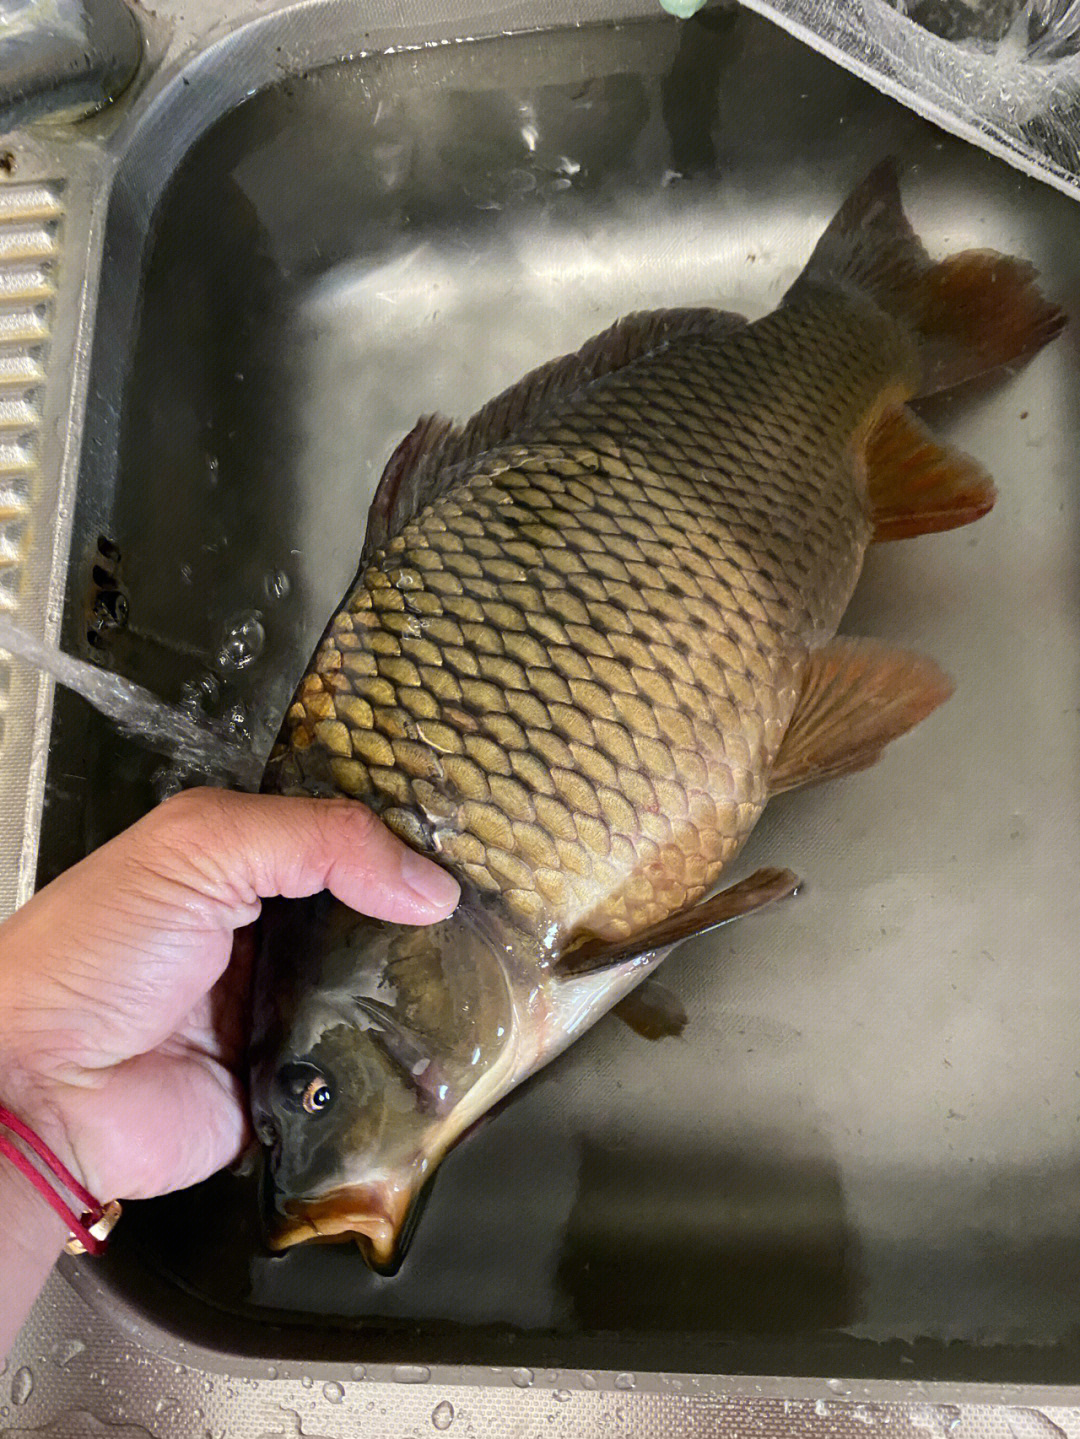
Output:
x=970 y=314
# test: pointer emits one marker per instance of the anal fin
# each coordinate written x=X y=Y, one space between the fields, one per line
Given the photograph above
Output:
x=857 y=696
x=761 y=888
x=916 y=484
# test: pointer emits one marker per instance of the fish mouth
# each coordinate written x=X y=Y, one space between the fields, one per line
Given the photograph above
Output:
x=379 y=1217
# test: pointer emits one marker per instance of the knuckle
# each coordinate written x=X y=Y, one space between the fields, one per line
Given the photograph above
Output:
x=363 y=823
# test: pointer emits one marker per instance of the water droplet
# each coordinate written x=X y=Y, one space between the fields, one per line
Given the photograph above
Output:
x=562 y=1395
x=442 y=1416
x=821 y=1409
x=837 y=1386
x=411 y=1373
x=213 y=469
x=949 y=1417
x=359 y=1372
x=333 y=1392
x=65 y=1350
x=277 y=585
x=589 y=1381
x=243 y=642
x=271 y=1372
x=187 y=574
x=22 y=1384
x=170 y=1407
x=306 y=1382
x=521 y=1377
x=624 y=1381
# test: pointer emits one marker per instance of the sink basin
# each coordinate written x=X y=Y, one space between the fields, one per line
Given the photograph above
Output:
x=862 y=1157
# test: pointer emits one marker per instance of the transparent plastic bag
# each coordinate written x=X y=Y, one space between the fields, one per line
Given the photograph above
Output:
x=1004 y=74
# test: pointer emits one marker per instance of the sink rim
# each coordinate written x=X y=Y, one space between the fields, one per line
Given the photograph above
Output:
x=129 y=147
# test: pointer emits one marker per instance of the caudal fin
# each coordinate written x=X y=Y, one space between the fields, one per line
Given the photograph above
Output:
x=971 y=313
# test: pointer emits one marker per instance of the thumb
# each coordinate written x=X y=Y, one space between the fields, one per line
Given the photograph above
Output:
x=226 y=851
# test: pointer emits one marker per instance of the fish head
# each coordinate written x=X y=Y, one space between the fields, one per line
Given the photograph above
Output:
x=374 y=1047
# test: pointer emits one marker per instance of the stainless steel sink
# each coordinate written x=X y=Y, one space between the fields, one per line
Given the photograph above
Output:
x=862 y=1158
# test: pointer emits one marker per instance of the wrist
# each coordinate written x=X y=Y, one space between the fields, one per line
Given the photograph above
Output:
x=36 y=1102
x=32 y=1237
x=28 y=1222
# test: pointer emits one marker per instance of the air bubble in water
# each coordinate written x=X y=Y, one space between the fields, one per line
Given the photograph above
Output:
x=442 y=1416
x=22 y=1384
x=277 y=585
x=166 y=783
x=333 y=1392
x=243 y=642
x=201 y=695
x=521 y=1377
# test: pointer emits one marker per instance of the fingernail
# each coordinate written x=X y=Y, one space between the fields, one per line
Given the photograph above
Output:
x=432 y=884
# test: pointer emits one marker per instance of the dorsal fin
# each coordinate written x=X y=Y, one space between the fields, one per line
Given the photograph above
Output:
x=424 y=465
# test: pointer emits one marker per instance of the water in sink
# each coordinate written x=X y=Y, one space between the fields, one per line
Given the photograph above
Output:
x=869 y=1129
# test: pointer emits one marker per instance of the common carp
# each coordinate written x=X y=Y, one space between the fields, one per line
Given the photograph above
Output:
x=592 y=632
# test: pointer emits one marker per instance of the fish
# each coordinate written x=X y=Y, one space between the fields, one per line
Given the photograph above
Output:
x=592 y=632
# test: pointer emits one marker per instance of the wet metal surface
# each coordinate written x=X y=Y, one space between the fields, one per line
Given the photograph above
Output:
x=862 y=1157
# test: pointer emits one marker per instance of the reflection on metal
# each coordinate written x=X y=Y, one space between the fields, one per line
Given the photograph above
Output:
x=63 y=59
x=30 y=220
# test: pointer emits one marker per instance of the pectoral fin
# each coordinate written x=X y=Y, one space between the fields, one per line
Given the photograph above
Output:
x=653 y=1011
x=857 y=696
x=760 y=889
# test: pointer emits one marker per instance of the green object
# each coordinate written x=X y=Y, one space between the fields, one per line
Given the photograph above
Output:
x=682 y=9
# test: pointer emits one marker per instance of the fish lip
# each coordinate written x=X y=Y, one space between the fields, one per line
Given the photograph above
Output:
x=375 y=1215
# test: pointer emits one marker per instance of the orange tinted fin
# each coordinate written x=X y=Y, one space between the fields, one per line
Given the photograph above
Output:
x=762 y=887
x=919 y=486
x=653 y=1011
x=970 y=314
x=856 y=698
x=979 y=311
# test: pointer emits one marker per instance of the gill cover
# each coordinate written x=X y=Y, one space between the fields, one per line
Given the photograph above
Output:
x=374 y=1046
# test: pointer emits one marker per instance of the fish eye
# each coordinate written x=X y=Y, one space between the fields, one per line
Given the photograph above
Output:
x=317 y=1096
x=303 y=1084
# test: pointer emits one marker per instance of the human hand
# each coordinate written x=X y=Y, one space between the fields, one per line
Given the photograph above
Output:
x=123 y=996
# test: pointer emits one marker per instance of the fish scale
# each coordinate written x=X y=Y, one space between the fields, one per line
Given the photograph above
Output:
x=568 y=676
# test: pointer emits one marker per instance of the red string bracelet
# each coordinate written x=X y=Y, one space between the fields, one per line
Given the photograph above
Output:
x=90 y=1230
